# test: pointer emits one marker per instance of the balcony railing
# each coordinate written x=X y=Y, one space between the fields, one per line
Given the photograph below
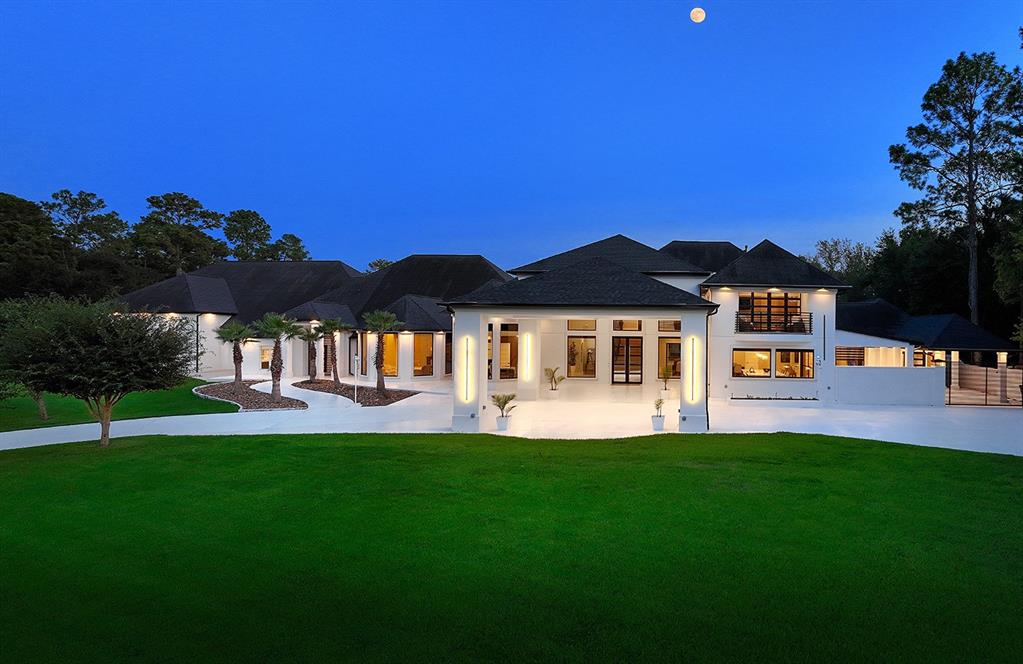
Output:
x=774 y=323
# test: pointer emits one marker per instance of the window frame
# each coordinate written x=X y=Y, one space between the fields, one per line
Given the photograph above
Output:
x=449 y=341
x=673 y=325
x=510 y=372
x=269 y=352
x=590 y=327
x=677 y=340
x=568 y=342
x=397 y=353
x=433 y=367
x=770 y=362
x=618 y=325
x=802 y=351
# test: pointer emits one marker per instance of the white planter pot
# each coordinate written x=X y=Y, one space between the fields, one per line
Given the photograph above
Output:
x=502 y=423
x=553 y=394
x=658 y=422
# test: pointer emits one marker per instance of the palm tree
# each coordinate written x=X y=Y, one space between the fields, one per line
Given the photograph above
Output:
x=328 y=329
x=236 y=334
x=276 y=327
x=310 y=335
x=380 y=322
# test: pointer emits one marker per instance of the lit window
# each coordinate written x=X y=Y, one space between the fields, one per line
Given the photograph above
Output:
x=627 y=325
x=669 y=326
x=669 y=354
x=422 y=354
x=447 y=352
x=582 y=325
x=849 y=356
x=265 y=355
x=582 y=357
x=509 y=350
x=751 y=363
x=390 y=341
x=793 y=364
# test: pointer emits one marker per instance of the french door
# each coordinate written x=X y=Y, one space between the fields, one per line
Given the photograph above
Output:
x=627 y=360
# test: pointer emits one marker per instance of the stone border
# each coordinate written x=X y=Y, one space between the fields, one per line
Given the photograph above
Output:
x=241 y=408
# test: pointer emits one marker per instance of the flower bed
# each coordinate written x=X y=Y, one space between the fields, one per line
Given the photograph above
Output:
x=368 y=396
x=246 y=397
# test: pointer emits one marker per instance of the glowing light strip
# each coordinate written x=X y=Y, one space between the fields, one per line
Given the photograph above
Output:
x=692 y=369
x=466 y=369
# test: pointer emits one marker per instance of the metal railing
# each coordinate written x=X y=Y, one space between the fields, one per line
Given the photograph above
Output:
x=778 y=323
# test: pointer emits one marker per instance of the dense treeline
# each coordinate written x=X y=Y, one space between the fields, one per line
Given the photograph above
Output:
x=75 y=246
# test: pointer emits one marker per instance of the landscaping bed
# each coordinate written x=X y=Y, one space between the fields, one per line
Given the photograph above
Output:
x=248 y=398
x=368 y=396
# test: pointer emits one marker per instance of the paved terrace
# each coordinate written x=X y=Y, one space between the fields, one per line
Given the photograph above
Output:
x=997 y=430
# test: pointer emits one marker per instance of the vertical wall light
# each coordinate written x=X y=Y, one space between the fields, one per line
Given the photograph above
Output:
x=693 y=370
x=465 y=369
x=527 y=345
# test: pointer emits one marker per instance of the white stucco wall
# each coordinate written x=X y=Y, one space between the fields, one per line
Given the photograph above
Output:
x=920 y=386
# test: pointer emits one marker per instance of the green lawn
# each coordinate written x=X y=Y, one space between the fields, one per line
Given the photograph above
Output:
x=21 y=413
x=443 y=547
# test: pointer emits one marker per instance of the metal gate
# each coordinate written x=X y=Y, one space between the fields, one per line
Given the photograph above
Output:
x=976 y=383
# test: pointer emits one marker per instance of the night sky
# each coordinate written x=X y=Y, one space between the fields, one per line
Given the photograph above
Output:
x=514 y=130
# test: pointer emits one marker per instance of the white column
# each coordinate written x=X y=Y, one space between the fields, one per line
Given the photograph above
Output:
x=955 y=368
x=1003 y=374
x=469 y=383
x=692 y=412
x=406 y=354
x=529 y=369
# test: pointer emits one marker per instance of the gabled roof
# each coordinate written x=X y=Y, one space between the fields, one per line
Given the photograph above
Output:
x=320 y=311
x=767 y=264
x=880 y=318
x=438 y=276
x=617 y=249
x=420 y=313
x=711 y=256
x=186 y=294
x=594 y=282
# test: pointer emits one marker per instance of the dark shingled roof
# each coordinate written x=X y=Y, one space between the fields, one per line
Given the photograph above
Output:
x=319 y=311
x=711 y=256
x=620 y=250
x=420 y=313
x=879 y=318
x=594 y=282
x=247 y=289
x=438 y=276
x=767 y=264
x=185 y=294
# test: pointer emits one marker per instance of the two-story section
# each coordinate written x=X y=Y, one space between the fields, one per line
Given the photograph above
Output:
x=772 y=334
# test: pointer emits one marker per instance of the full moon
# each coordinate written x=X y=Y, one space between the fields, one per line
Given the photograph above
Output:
x=697 y=15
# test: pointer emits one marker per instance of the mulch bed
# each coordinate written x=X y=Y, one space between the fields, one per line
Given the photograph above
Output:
x=368 y=396
x=248 y=398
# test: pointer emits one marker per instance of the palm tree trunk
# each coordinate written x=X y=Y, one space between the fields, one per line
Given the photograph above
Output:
x=378 y=360
x=276 y=367
x=237 y=352
x=333 y=362
x=312 y=359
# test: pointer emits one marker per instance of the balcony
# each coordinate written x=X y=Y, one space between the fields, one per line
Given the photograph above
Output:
x=773 y=323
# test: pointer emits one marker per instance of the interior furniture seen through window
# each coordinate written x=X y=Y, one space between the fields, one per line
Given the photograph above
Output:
x=751 y=363
x=582 y=357
x=390 y=340
x=627 y=360
x=509 y=350
x=265 y=355
x=793 y=364
x=669 y=354
x=422 y=354
x=771 y=312
x=585 y=325
x=669 y=326
x=447 y=353
x=627 y=325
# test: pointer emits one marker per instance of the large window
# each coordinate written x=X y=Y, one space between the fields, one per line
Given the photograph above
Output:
x=751 y=363
x=669 y=355
x=627 y=325
x=422 y=354
x=669 y=326
x=771 y=312
x=582 y=357
x=447 y=353
x=364 y=359
x=586 y=325
x=793 y=364
x=849 y=356
x=490 y=351
x=390 y=341
x=509 y=350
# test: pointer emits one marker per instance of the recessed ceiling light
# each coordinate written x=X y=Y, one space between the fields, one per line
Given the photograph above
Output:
x=697 y=15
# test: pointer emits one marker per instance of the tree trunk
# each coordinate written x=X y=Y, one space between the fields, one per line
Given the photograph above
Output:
x=971 y=245
x=333 y=362
x=40 y=399
x=312 y=360
x=105 y=411
x=276 y=367
x=378 y=361
x=237 y=352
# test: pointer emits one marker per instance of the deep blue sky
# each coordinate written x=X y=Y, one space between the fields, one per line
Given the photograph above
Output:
x=509 y=129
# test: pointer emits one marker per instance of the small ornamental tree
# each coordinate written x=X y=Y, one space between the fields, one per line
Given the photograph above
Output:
x=276 y=327
x=236 y=334
x=380 y=322
x=16 y=318
x=310 y=336
x=328 y=329
x=97 y=354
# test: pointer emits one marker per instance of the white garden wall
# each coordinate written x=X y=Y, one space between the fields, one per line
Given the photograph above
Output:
x=903 y=386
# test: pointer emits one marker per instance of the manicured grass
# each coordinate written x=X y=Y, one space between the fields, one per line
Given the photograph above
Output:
x=21 y=413
x=445 y=547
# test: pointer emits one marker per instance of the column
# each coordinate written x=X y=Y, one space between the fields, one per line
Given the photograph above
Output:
x=1003 y=375
x=692 y=412
x=529 y=369
x=469 y=368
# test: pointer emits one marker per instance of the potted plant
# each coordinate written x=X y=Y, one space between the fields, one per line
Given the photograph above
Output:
x=657 y=419
x=665 y=376
x=554 y=379
x=502 y=401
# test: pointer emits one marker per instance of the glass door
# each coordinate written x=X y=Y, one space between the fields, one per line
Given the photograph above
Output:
x=627 y=360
